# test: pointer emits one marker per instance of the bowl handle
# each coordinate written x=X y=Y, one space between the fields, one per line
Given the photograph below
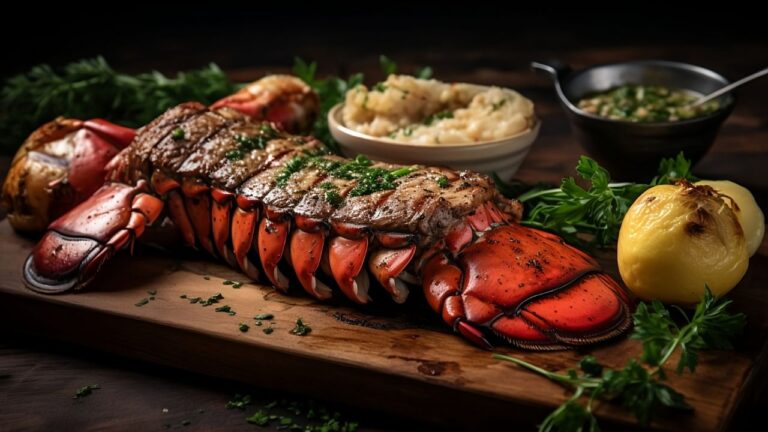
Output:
x=555 y=69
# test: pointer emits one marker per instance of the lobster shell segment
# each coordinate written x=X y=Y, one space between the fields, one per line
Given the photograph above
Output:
x=287 y=214
x=529 y=288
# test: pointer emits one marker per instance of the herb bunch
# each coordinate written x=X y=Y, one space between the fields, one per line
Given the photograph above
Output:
x=639 y=385
x=91 y=88
x=589 y=216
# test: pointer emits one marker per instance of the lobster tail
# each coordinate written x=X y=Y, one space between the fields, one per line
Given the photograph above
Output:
x=280 y=209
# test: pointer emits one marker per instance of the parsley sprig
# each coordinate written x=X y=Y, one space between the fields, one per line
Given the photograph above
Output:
x=589 y=216
x=639 y=385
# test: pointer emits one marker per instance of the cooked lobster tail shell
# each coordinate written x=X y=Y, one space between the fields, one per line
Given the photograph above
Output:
x=267 y=213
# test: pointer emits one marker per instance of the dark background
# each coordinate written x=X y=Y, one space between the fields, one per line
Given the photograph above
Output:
x=448 y=37
x=489 y=46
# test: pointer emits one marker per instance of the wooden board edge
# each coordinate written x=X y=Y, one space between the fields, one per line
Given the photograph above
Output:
x=427 y=402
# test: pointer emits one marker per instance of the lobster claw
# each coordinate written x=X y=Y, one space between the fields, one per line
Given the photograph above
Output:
x=282 y=99
x=527 y=287
x=61 y=164
x=78 y=243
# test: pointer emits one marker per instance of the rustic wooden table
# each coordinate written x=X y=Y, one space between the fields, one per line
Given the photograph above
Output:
x=38 y=377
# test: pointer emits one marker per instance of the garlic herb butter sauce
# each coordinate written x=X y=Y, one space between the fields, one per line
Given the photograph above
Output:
x=646 y=104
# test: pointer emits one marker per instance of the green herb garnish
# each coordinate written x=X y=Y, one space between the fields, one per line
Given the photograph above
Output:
x=639 y=385
x=92 y=89
x=225 y=308
x=369 y=179
x=424 y=73
x=387 y=65
x=443 y=182
x=590 y=216
x=259 y=418
x=497 y=105
x=243 y=327
x=211 y=300
x=86 y=391
x=264 y=316
x=380 y=87
x=437 y=117
x=300 y=329
x=142 y=302
x=178 y=134
x=268 y=330
x=333 y=198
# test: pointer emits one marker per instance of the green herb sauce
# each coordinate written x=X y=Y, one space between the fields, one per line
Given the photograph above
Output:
x=646 y=104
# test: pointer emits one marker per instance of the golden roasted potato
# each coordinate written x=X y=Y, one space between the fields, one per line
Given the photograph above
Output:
x=677 y=239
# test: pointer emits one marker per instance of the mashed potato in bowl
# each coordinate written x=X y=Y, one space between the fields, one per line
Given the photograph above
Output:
x=429 y=112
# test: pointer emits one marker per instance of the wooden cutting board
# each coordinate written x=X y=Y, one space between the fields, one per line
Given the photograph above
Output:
x=394 y=359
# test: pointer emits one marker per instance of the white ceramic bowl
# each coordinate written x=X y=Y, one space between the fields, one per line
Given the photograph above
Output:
x=503 y=156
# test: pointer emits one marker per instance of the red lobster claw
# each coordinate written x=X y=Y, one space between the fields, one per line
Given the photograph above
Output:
x=78 y=243
x=281 y=99
x=527 y=287
x=61 y=164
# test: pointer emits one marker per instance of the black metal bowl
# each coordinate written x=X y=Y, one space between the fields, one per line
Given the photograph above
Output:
x=632 y=151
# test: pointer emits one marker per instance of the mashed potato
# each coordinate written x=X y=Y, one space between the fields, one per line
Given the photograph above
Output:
x=430 y=112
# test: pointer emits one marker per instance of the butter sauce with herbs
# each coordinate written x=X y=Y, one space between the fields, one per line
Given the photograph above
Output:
x=369 y=179
x=646 y=104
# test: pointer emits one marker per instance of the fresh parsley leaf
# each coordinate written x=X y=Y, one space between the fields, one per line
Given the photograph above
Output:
x=424 y=72
x=674 y=169
x=640 y=387
x=588 y=216
x=86 y=391
x=239 y=402
x=300 y=329
x=387 y=65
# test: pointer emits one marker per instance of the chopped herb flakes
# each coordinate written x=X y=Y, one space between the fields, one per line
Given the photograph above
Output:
x=300 y=329
x=246 y=143
x=259 y=418
x=243 y=327
x=443 y=182
x=177 y=134
x=317 y=417
x=234 y=284
x=152 y=292
x=369 y=179
x=142 y=302
x=264 y=316
x=225 y=308
x=183 y=296
x=207 y=277
x=239 y=402
x=86 y=391
x=268 y=330
x=437 y=117
x=498 y=104
x=212 y=299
